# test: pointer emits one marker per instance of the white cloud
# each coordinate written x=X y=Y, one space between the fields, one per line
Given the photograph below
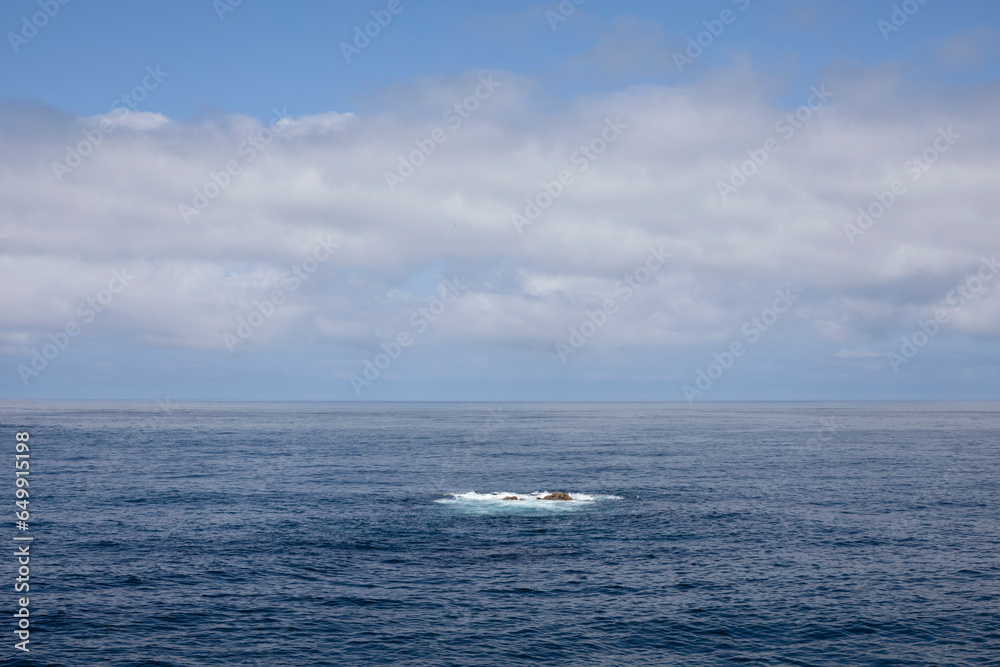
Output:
x=324 y=175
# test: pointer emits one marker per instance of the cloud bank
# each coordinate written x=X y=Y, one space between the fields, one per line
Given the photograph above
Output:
x=874 y=202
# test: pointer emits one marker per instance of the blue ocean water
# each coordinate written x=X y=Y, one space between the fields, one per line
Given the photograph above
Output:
x=366 y=534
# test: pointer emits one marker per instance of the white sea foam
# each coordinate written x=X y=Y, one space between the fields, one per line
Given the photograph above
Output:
x=486 y=502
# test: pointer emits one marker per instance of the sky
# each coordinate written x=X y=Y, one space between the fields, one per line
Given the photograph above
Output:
x=576 y=200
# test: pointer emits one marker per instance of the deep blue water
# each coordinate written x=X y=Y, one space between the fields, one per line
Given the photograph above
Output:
x=323 y=534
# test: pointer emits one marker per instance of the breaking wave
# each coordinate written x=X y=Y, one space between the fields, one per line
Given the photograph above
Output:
x=489 y=502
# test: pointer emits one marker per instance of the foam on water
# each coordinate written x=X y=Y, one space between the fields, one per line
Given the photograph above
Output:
x=491 y=502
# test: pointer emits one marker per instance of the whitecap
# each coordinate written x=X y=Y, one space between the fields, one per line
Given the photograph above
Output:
x=489 y=502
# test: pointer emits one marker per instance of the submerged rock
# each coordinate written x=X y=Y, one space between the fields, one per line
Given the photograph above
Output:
x=511 y=498
x=558 y=495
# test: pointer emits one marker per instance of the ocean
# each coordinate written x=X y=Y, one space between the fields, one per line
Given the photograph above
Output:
x=778 y=534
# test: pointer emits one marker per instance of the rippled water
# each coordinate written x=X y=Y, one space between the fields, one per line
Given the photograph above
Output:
x=352 y=534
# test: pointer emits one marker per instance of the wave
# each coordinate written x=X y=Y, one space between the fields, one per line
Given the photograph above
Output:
x=491 y=501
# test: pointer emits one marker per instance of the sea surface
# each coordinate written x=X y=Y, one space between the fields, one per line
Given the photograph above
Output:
x=172 y=533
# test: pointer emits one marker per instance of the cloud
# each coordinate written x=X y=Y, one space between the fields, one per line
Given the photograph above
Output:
x=859 y=353
x=968 y=50
x=324 y=177
x=631 y=46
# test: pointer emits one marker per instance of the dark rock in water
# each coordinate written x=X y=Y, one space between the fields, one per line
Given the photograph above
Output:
x=558 y=495
x=511 y=498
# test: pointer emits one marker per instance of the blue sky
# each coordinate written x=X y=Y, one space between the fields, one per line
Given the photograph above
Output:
x=319 y=175
x=265 y=53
